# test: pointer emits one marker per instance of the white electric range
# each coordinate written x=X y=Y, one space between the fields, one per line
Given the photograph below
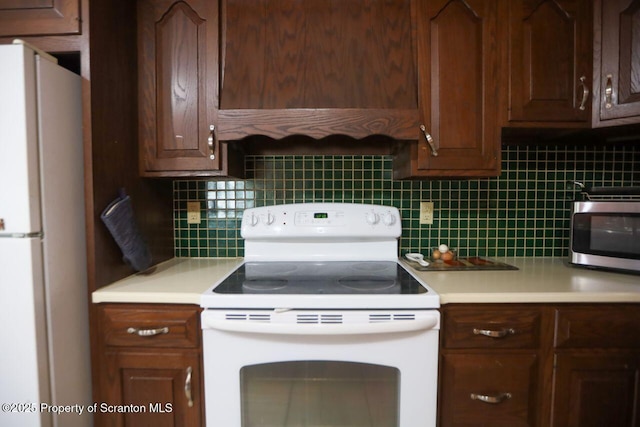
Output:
x=321 y=315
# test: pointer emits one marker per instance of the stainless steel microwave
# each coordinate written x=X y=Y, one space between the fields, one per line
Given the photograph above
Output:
x=606 y=234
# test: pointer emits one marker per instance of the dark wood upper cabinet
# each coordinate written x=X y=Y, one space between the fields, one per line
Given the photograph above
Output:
x=617 y=62
x=550 y=63
x=317 y=68
x=39 y=17
x=459 y=52
x=178 y=89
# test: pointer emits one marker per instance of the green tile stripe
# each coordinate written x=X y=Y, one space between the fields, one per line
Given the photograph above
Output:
x=524 y=212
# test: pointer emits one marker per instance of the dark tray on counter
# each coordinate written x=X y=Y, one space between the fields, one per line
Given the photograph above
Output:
x=463 y=264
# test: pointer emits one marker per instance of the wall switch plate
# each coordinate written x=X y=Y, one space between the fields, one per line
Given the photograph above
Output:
x=193 y=212
x=426 y=213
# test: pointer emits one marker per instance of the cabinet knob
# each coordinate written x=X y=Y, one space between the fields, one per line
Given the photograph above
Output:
x=211 y=142
x=494 y=334
x=499 y=398
x=430 y=140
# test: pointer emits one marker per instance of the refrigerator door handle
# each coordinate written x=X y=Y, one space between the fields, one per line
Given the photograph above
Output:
x=33 y=235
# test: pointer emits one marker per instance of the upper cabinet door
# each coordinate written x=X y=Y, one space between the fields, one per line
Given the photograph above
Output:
x=317 y=68
x=617 y=62
x=458 y=62
x=178 y=86
x=550 y=62
x=39 y=17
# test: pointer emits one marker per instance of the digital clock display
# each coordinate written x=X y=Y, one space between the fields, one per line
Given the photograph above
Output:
x=320 y=215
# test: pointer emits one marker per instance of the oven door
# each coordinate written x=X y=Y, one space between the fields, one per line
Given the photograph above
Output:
x=320 y=368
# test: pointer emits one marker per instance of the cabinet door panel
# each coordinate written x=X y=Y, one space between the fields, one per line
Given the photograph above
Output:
x=157 y=383
x=39 y=17
x=597 y=390
x=458 y=61
x=550 y=53
x=468 y=377
x=618 y=58
x=178 y=85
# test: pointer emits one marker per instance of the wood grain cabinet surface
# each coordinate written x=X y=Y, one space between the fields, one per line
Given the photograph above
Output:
x=317 y=68
x=560 y=365
x=616 y=62
x=458 y=55
x=597 y=366
x=39 y=17
x=490 y=365
x=178 y=63
x=214 y=75
x=150 y=357
x=550 y=62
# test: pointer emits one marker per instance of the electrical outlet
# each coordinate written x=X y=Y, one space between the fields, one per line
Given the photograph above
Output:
x=193 y=212
x=426 y=213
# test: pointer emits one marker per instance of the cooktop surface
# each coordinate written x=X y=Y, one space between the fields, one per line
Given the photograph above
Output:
x=321 y=278
x=326 y=285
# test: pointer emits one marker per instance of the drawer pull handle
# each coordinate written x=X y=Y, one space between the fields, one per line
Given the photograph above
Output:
x=148 y=332
x=187 y=387
x=491 y=399
x=494 y=334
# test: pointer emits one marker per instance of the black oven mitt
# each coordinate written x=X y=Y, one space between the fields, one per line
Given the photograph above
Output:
x=119 y=219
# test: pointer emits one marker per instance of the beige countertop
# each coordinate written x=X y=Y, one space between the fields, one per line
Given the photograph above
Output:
x=177 y=281
x=536 y=280
x=182 y=280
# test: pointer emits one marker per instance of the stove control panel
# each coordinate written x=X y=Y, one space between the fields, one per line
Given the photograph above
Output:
x=321 y=220
x=325 y=218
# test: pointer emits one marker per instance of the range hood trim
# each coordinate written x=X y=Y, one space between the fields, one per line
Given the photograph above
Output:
x=318 y=123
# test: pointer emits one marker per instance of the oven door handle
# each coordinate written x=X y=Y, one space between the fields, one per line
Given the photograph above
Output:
x=423 y=323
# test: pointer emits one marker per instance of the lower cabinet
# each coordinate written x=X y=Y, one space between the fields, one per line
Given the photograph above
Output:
x=596 y=359
x=150 y=371
x=489 y=365
x=560 y=365
x=597 y=389
x=484 y=388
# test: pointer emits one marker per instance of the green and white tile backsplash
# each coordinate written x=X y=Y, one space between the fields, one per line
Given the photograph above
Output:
x=523 y=212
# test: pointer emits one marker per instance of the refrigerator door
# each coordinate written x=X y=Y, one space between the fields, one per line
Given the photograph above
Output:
x=64 y=244
x=23 y=334
x=19 y=177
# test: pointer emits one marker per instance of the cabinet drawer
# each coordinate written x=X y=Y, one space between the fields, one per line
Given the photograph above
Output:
x=470 y=327
x=610 y=326
x=488 y=389
x=150 y=325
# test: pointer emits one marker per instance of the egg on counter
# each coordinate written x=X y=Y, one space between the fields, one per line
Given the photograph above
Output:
x=442 y=252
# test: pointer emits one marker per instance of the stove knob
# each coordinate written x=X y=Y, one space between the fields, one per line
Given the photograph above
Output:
x=268 y=219
x=372 y=218
x=389 y=219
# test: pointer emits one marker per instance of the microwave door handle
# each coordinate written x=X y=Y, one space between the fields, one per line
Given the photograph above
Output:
x=426 y=323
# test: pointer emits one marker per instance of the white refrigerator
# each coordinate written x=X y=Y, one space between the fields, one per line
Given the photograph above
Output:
x=44 y=329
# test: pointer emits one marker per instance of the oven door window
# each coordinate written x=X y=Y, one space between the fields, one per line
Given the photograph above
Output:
x=607 y=235
x=319 y=394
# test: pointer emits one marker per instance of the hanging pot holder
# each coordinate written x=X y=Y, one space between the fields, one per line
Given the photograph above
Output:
x=119 y=219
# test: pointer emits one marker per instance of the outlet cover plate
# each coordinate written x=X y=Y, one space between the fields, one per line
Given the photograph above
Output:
x=426 y=213
x=193 y=212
